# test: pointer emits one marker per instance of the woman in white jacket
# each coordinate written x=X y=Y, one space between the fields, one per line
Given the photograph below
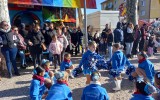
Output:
x=62 y=38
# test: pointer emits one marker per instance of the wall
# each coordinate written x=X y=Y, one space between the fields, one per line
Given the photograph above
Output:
x=155 y=9
x=145 y=9
x=99 y=19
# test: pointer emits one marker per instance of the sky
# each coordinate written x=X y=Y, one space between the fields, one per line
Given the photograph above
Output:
x=98 y=7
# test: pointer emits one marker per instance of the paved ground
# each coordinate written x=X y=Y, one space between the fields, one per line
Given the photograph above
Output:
x=17 y=88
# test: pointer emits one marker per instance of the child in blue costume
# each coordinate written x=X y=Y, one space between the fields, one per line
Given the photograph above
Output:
x=48 y=73
x=67 y=65
x=37 y=87
x=95 y=91
x=145 y=68
x=85 y=62
x=60 y=90
x=143 y=91
x=119 y=61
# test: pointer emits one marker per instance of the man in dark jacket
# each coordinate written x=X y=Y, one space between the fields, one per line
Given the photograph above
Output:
x=74 y=40
x=104 y=31
x=48 y=35
x=80 y=37
x=118 y=34
x=35 y=41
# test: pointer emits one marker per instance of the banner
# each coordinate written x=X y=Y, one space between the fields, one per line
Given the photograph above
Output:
x=57 y=3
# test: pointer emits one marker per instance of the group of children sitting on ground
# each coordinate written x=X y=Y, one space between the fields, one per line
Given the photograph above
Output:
x=54 y=86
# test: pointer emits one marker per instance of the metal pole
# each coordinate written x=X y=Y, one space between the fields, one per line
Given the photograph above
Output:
x=85 y=25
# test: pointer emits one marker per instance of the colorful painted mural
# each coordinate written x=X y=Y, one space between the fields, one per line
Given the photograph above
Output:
x=57 y=3
x=59 y=14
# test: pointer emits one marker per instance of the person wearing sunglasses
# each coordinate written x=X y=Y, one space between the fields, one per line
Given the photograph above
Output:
x=9 y=48
x=21 y=45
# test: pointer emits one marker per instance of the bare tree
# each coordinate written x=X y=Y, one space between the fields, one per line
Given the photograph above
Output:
x=80 y=16
x=132 y=11
x=4 y=14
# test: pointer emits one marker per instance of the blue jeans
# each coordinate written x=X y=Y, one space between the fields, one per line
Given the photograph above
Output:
x=129 y=47
x=22 y=55
x=110 y=52
x=10 y=57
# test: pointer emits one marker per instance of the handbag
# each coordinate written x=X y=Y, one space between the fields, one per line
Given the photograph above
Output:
x=44 y=48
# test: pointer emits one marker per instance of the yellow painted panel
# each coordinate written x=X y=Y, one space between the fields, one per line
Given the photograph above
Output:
x=155 y=9
x=76 y=3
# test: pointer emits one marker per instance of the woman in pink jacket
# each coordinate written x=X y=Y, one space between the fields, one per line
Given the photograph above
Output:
x=56 y=48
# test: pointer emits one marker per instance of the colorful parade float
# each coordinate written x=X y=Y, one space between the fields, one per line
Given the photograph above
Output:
x=27 y=11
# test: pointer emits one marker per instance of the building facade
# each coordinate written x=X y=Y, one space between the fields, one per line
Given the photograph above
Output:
x=147 y=9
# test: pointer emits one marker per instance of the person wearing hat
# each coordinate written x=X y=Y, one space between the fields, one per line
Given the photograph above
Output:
x=46 y=65
x=60 y=90
x=145 y=68
x=94 y=91
x=144 y=90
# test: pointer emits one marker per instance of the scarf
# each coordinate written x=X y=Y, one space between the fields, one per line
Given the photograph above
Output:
x=40 y=78
x=141 y=60
x=137 y=92
x=65 y=60
x=62 y=82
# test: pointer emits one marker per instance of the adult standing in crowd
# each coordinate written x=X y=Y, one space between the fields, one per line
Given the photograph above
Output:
x=96 y=38
x=62 y=38
x=44 y=31
x=49 y=33
x=137 y=39
x=21 y=47
x=35 y=40
x=75 y=37
x=68 y=36
x=9 y=47
x=105 y=30
x=23 y=31
x=144 y=37
x=48 y=38
x=80 y=38
x=109 y=42
x=118 y=34
x=90 y=37
x=129 y=38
